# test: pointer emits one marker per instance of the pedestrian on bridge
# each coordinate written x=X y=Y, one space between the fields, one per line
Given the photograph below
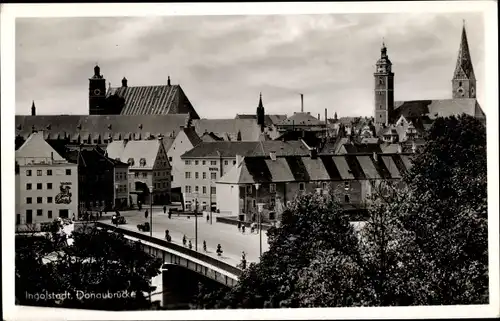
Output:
x=190 y=245
x=204 y=246
x=184 y=240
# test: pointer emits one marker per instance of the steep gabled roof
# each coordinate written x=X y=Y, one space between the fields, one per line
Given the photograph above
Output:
x=191 y=134
x=262 y=169
x=436 y=108
x=153 y=100
x=463 y=68
x=35 y=147
x=136 y=151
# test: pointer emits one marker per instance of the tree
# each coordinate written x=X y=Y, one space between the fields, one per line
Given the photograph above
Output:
x=98 y=262
x=313 y=223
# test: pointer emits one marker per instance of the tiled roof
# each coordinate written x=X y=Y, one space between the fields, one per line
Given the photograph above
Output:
x=221 y=149
x=228 y=128
x=210 y=137
x=192 y=135
x=135 y=150
x=268 y=119
x=437 y=108
x=354 y=148
x=301 y=119
x=324 y=168
x=153 y=100
x=118 y=126
x=287 y=148
x=37 y=148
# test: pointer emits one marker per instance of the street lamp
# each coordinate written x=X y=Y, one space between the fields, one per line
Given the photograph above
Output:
x=196 y=221
x=260 y=207
x=151 y=211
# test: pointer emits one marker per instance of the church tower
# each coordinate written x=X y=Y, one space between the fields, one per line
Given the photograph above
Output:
x=260 y=114
x=464 y=80
x=97 y=93
x=384 y=89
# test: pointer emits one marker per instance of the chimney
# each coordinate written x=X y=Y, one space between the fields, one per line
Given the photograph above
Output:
x=33 y=108
x=51 y=156
x=124 y=82
x=239 y=159
x=318 y=117
x=272 y=155
x=168 y=81
x=302 y=103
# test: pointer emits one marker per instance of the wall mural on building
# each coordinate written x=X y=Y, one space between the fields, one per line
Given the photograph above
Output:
x=64 y=197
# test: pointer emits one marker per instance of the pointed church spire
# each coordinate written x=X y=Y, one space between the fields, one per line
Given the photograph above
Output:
x=260 y=101
x=260 y=114
x=464 y=69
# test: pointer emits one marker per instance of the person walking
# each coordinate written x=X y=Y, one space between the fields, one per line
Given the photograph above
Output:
x=146 y=214
x=204 y=245
x=243 y=229
x=190 y=245
x=164 y=209
x=239 y=225
x=208 y=218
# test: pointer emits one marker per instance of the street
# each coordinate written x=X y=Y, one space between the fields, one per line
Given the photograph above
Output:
x=231 y=240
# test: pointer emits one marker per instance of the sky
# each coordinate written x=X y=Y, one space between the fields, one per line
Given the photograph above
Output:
x=223 y=62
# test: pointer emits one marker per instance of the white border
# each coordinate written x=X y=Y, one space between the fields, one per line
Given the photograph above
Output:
x=10 y=11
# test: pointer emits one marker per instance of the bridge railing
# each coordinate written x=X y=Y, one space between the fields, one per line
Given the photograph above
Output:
x=179 y=248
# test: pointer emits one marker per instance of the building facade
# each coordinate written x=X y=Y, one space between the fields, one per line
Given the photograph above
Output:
x=46 y=183
x=277 y=181
x=149 y=172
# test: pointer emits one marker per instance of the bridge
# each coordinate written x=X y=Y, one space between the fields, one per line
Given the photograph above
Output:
x=174 y=254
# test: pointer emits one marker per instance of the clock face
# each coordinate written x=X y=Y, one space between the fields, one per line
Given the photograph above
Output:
x=97 y=92
x=460 y=91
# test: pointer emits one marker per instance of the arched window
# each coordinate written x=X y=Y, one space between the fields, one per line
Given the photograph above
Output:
x=130 y=161
x=143 y=162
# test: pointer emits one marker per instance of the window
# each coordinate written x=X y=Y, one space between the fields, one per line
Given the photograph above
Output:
x=49 y=172
x=136 y=174
x=204 y=189
x=213 y=190
x=380 y=81
x=196 y=189
x=254 y=203
x=39 y=172
x=28 y=186
x=325 y=186
x=213 y=175
x=188 y=189
x=144 y=175
x=164 y=184
x=49 y=214
x=196 y=175
x=213 y=162
x=203 y=162
x=170 y=159
x=204 y=175
x=226 y=162
x=39 y=200
x=234 y=162
x=28 y=172
x=49 y=200
x=68 y=171
x=346 y=185
x=196 y=162
x=188 y=162
x=39 y=186
x=302 y=186
x=272 y=188
x=249 y=189
x=460 y=83
x=346 y=198
x=188 y=175
x=28 y=200
x=39 y=212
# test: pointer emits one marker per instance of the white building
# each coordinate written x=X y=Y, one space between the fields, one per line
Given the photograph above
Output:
x=46 y=183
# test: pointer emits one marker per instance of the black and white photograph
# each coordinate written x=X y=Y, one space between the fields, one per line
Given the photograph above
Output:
x=260 y=160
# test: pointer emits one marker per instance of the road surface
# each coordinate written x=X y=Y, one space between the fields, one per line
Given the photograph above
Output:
x=231 y=240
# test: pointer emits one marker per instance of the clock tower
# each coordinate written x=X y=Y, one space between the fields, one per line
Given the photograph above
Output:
x=464 y=80
x=97 y=93
x=384 y=89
